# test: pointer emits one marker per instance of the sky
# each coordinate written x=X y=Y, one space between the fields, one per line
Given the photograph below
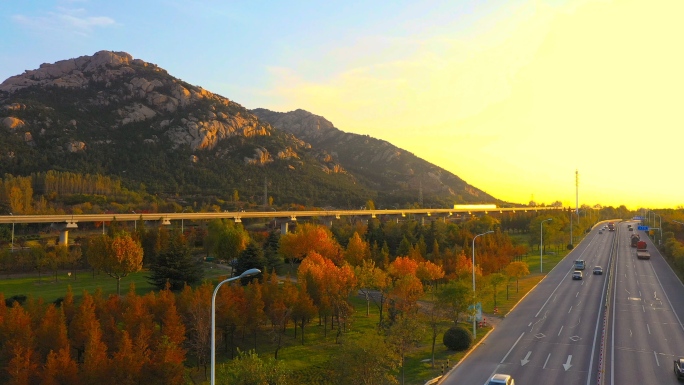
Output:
x=512 y=96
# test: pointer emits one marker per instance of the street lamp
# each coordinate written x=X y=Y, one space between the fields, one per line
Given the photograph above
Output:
x=182 y=220
x=475 y=237
x=541 y=246
x=135 y=223
x=245 y=274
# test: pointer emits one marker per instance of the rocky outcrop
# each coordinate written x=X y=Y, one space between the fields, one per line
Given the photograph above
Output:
x=75 y=146
x=302 y=124
x=72 y=72
x=205 y=135
x=12 y=123
x=260 y=158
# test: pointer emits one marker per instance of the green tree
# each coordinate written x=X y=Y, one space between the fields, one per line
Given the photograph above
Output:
x=226 y=239
x=496 y=280
x=404 y=335
x=368 y=360
x=271 y=254
x=175 y=265
x=455 y=298
x=250 y=369
x=249 y=258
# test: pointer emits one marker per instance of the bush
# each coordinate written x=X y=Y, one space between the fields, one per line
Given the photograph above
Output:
x=457 y=338
x=19 y=298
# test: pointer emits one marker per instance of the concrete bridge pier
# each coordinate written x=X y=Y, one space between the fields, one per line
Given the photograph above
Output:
x=64 y=231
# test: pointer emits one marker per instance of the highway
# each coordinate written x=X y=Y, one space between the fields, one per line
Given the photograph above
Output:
x=556 y=333
x=646 y=332
x=553 y=336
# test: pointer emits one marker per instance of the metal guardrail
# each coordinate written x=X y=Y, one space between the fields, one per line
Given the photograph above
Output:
x=606 y=309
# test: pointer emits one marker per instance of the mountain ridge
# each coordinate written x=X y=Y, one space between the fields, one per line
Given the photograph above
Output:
x=112 y=114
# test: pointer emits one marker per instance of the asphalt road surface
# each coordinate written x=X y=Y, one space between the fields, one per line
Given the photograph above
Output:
x=554 y=334
x=646 y=333
x=561 y=332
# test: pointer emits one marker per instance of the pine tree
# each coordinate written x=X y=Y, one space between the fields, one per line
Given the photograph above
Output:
x=176 y=266
x=271 y=254
x=251 y=257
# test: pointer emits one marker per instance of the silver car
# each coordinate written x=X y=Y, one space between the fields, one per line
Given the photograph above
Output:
x=501 y=379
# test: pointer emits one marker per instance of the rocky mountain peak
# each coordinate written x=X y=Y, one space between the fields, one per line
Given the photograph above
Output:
x=141 y=92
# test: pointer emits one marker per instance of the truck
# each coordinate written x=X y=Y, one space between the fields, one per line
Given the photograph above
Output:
x=611 y=226
x=634 y=239
x=642 y=251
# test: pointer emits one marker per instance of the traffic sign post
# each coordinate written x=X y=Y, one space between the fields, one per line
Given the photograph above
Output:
x=644 y=228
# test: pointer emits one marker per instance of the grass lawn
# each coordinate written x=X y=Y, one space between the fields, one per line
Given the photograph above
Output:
x=49 y=289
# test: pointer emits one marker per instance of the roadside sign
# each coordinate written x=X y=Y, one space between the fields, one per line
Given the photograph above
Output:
x=478 y=311
x=645 y=228
x=638 y=218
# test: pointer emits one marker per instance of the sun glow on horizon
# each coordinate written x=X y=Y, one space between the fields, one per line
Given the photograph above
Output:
x=537 y=92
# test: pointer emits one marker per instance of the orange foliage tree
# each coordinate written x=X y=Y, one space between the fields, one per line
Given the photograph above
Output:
x=117 y=257
x=308 y=238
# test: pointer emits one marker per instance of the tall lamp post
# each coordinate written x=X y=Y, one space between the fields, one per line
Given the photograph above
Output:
x=541 y=246
x=245 y=274
x=475 y=237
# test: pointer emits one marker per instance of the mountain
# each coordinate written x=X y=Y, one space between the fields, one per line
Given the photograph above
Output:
x=110 y=114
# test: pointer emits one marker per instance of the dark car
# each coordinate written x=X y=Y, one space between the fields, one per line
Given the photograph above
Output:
x=679 y=368
x=598 y=270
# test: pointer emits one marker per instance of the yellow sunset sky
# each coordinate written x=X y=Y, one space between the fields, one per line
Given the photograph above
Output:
x=512 y=96
x=532 y=92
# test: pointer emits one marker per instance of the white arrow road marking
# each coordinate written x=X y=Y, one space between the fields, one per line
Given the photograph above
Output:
x=567 y=365
x=526 y=360
x=511 y=349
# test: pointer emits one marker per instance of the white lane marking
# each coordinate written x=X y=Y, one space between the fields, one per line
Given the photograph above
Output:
x=649 y=329
x=509 y=350
x=639 y=293
x=526 y=359
x=666 y=296
x=628 y=293
x=547 y=360
x=656 y=357
x=630 y=332
x=554 y=298
x=567 y=365
x=576 y=294
x=559 y=283
x=643 y=308
x=529 y=324
x=570 y=310
x=582 y=283
x=559 y=332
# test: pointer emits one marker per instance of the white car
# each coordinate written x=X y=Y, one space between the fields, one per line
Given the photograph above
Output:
x=501 y=379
